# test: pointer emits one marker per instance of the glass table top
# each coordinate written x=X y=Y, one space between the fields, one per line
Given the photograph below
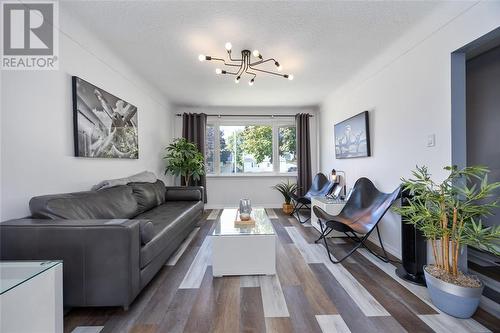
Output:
x=14 y=273
x=227 y=226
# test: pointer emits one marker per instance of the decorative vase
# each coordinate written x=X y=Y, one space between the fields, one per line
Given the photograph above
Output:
x=287 y=208
x=457 y=301
x=245 y=209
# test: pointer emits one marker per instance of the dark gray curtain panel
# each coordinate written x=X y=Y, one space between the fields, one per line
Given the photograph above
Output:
x=303 y=153
x=194 y=127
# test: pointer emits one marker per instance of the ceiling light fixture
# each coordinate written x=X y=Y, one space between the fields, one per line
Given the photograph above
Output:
x=245 y=64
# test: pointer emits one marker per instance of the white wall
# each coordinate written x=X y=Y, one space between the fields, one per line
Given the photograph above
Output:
x=407 y=91
x=37 y=128
x=225 y=191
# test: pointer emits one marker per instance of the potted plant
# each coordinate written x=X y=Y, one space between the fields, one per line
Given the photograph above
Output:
x=184 y=159
x=448 y=213
x=285 y=188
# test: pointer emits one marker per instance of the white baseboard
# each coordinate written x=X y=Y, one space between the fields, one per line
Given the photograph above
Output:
x=391 y=249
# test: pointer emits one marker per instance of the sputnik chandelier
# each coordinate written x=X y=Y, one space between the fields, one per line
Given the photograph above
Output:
x=245 y=65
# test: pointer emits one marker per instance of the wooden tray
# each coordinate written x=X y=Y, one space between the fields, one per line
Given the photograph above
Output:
x=239 y=222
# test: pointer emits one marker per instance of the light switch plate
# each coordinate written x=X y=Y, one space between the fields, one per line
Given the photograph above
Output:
x=431 y=140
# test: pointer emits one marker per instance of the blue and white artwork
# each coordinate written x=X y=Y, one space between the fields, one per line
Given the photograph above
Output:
x=352 y=137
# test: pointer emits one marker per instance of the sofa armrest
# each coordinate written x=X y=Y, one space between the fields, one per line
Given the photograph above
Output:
x=184 y=193
x=101 y=264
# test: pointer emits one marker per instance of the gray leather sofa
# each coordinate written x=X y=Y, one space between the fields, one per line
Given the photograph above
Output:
x=112 y=241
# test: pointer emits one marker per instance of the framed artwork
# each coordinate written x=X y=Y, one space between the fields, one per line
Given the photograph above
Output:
x=105 y=126
x=352 y=137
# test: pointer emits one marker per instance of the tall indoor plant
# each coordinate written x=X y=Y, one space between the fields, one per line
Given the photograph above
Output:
x=286 y=188
x=184 y=159
x=449 y=215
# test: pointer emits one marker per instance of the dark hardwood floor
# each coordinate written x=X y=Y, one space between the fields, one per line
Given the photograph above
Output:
x=308 y=294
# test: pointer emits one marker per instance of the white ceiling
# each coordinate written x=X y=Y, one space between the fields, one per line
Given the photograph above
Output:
x=321 y=43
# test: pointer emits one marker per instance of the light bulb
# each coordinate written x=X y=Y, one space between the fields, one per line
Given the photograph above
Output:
x=218 y=71
x=201 y=57
x=237 y=80
x=290 y=77
x=256 y=53
x=229 y=46
x=251 y=82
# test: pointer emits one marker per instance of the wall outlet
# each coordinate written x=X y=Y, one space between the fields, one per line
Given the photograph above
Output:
x=431 y=140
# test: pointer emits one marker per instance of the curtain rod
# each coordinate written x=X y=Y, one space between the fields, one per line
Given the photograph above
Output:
x=250 y=115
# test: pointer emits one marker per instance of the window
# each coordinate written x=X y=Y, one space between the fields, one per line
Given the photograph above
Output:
x=210 y=149
x=244 y=147
x=287 y=152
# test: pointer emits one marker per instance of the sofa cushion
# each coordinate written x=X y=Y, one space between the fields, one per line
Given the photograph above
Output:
x=184 y=193
x=111 y=203
x=170 y=221
x=148 y=195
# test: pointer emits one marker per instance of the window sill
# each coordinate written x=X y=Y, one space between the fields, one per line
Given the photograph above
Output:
x=246 y=175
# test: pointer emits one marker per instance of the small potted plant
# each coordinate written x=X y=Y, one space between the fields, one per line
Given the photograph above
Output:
x=449 y=214
x=184 y=159
x=285 y=188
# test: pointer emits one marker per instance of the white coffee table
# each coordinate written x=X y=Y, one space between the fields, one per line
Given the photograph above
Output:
x=243 y=250
x=31 y=296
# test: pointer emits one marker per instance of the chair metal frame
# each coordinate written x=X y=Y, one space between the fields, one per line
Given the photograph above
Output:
x=296 y=210
x=325 y=231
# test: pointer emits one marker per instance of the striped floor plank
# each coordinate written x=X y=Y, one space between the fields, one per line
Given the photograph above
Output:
x=308 y=294
x=251 y=311
x=213 y=214
x=271 y=213
x=301 y=314
x=279 y=325
x=332 y=324
x=201 y=318
x=273 y=299
x=196 y=271
x=347 y=307
x=87 y=329
x=227 y=317
x=249 y=281
x=317 y=298
x=443 y=323
x=175 y=257
x=315 y=253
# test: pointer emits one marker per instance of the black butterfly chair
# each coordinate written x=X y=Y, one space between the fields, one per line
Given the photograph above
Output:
x=320 y=186
x=360 y=216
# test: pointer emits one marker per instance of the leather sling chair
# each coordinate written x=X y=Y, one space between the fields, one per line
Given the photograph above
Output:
x=320 y=186
x=360 y=216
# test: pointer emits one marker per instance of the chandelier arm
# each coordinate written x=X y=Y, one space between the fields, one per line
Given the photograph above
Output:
x=251 y=73
x=268 y=72
x=229 y=54
x=240 y=71
x=243 y=67
x=262 y=61
x=219 y=59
